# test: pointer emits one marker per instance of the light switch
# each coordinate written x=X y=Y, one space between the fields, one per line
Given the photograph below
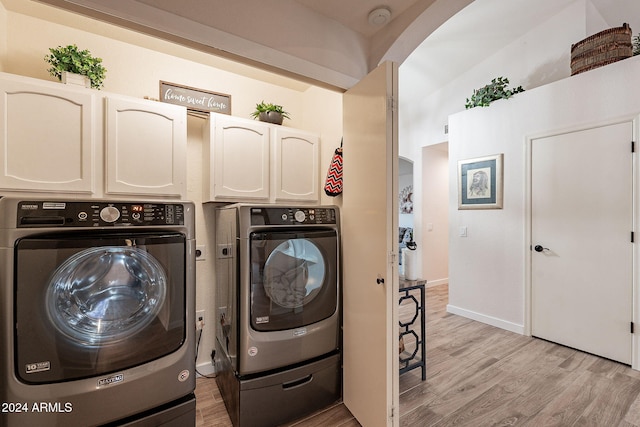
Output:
x=463 y=231
x=429 y=226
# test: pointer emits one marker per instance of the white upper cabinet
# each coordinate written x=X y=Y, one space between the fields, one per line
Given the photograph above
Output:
x=238 y=165
x=46 y=137
x=146 y=147
x=256 y=161
x=296 y=165
x=57 y=138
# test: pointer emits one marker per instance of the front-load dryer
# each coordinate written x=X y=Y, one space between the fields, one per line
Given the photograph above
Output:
x=278 y=288
x=97 y=303
x=278 y=311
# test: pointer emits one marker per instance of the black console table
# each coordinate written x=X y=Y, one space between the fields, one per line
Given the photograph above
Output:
x=412 y=324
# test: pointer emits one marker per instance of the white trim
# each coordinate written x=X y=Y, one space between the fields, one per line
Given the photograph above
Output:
x=493 y=321
x=635 y=311
x=205 y=368
x=528 y=220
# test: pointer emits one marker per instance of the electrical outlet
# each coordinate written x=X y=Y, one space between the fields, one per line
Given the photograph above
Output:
x=225 y=250
x=200 y=319
x=201 y=253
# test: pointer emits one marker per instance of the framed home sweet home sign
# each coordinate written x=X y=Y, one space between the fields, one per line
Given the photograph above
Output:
x=196 y=100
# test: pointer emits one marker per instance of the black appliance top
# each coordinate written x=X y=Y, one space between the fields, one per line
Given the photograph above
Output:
x=97 y=214
x=292 y=216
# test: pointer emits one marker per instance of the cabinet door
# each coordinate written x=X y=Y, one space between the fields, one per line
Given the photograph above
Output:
x=239 y=159
x=146 y=147
x=296 y=158
x=46 y=137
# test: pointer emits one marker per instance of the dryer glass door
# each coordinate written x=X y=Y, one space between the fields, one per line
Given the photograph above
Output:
x=294 y=278
x=88 y=305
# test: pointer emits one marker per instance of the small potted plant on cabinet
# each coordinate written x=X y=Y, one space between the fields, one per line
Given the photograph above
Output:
x=271 y=113
x=69 y=60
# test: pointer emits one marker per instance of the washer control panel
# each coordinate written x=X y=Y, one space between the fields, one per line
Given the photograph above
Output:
x=97 y=214
x=292 y=216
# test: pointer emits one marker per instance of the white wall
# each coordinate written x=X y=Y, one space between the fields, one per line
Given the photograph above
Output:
x=539 y=57
x=435 y=214
x=135 y=64
x=487 y=268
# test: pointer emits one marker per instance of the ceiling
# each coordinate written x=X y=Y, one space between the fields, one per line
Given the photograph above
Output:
x=328 y=42
x=331 y=43
x=353 y=13
x=487 y=26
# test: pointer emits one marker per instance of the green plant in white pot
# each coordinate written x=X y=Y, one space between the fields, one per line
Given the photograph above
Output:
x=271 y=113
x=71 y=59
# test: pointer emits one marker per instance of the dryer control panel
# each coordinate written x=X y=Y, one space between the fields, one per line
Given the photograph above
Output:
x=97 y=214
x=292 y=216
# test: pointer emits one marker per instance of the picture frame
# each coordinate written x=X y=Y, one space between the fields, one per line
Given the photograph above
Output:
x=406 y=200
x=480 y=184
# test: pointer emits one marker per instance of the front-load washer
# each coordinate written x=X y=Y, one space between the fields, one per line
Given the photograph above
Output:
x=97 y=303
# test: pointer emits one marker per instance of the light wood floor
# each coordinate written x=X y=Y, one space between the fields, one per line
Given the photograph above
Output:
x=478 y=375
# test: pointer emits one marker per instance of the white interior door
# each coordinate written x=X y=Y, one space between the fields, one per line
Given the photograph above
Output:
x=582 y=218
x=369 y=229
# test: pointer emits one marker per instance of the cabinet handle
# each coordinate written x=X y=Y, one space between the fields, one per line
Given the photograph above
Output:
x=297 y=383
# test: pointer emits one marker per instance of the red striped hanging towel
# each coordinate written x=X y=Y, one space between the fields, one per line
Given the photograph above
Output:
x=333 y=183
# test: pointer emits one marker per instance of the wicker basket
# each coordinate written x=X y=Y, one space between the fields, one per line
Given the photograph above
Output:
x=600 y=49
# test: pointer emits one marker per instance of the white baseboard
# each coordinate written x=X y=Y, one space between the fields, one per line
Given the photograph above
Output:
x=205 y=368
x=493 y=321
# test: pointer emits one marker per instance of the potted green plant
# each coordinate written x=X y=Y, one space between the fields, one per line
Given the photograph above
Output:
x=497 y=89
x=69 y=59
x=271 y=113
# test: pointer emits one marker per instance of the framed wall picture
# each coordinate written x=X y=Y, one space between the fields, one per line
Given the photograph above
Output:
x=196 y=100
x=480 y=183
x=406 y=200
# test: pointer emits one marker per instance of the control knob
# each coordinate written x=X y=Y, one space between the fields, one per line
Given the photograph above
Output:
x=110 y=214
x=300 y=216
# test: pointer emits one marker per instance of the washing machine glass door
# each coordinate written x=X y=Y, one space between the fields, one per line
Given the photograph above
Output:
x=101 y=296
x=294 y=278
x=97 y=304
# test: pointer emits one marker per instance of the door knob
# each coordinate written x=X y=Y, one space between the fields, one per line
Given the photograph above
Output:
x=539 y=248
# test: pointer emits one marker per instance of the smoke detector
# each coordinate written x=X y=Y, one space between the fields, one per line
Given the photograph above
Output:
x=379 y=16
